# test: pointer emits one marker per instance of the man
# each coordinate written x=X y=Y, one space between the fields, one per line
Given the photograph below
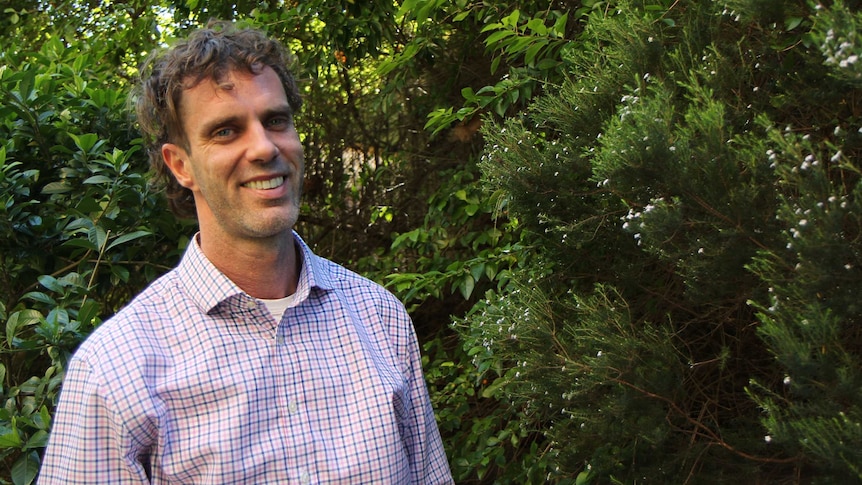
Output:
x=253 y=361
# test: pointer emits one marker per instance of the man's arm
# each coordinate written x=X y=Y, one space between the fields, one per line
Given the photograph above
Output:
x=89 y=441
x=430 y=464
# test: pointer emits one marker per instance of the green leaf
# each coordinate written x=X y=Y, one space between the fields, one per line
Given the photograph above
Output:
x=489 y=391
x=533 y=50
x=583 y=478
x=495 y=64
x=84 y=142
x=475 y=350
x=51 y=283
x=18 y=320
x=128 y=237
x=11 y=439
x=792 y=22
x=493 y=26
x=120 y=273
x=40 y=297
x=461 y=16
x=559 y=27
x=98 y=179
x=97 y=236
x=491 y=271
x=512 y=18
x=60 y=187
x=497 y=36
x=25 y=469
x=80 y=243
x=38 y=440
x=466 y=286
x=537 y=26
x=87 y=205
x=88 y=312
x=477 y=271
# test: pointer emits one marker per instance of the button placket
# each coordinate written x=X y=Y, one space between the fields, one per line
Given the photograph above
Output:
x=304 y=477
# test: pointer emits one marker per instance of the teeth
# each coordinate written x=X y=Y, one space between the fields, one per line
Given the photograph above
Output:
x=265 y=184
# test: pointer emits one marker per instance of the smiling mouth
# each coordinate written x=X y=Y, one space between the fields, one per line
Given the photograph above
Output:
x=265 y=184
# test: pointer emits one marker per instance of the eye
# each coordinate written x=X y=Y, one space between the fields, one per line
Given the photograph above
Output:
x=279 y=122
x=223 y=133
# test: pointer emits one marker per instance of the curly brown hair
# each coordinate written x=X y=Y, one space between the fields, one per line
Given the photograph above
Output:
x=208 y=53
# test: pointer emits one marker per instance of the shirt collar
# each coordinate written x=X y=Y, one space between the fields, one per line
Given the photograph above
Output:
x=209 y=288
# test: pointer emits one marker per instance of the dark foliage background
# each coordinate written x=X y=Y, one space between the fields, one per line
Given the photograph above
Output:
x=628 y=232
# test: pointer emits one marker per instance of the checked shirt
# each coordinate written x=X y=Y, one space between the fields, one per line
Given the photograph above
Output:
x=195 y=382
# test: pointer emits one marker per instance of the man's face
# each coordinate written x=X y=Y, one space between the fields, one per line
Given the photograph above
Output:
x=243 y=160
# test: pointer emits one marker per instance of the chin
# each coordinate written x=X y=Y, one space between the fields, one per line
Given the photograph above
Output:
x=274 y=228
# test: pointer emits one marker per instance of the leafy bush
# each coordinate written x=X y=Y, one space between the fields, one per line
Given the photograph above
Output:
x=79 y=224
x=691 y=193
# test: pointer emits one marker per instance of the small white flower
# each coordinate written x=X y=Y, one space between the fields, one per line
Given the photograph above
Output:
x=767 y=438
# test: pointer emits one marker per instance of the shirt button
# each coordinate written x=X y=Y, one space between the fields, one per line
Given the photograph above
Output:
x=305 y=477
x=251 y=305
x=280 y=340
x=292 y=407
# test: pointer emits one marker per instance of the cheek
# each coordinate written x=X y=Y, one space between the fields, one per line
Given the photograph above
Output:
x=211 y=170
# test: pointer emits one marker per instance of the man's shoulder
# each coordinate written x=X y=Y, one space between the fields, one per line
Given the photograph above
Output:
x=345 y=279
x=368 y=297
x=134 y=328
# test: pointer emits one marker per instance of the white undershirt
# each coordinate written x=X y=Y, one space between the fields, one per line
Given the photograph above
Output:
x=278 y=306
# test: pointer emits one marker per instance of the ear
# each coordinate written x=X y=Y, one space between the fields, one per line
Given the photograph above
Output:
x=177 y=160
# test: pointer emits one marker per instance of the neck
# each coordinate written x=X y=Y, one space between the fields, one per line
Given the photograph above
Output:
x=267 y=268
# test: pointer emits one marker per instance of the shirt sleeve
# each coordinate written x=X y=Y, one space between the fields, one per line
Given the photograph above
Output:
x=430 y=464
x=88 y=442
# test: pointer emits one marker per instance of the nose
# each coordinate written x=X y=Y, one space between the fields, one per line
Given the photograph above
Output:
x=261 y=147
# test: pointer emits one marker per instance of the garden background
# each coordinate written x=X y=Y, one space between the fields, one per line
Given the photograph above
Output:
x=628 y=232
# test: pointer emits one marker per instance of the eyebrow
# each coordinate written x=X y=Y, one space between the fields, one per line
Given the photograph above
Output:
x=207 y=129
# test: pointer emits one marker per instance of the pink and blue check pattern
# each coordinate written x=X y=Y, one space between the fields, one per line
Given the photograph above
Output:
x=195 y=382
